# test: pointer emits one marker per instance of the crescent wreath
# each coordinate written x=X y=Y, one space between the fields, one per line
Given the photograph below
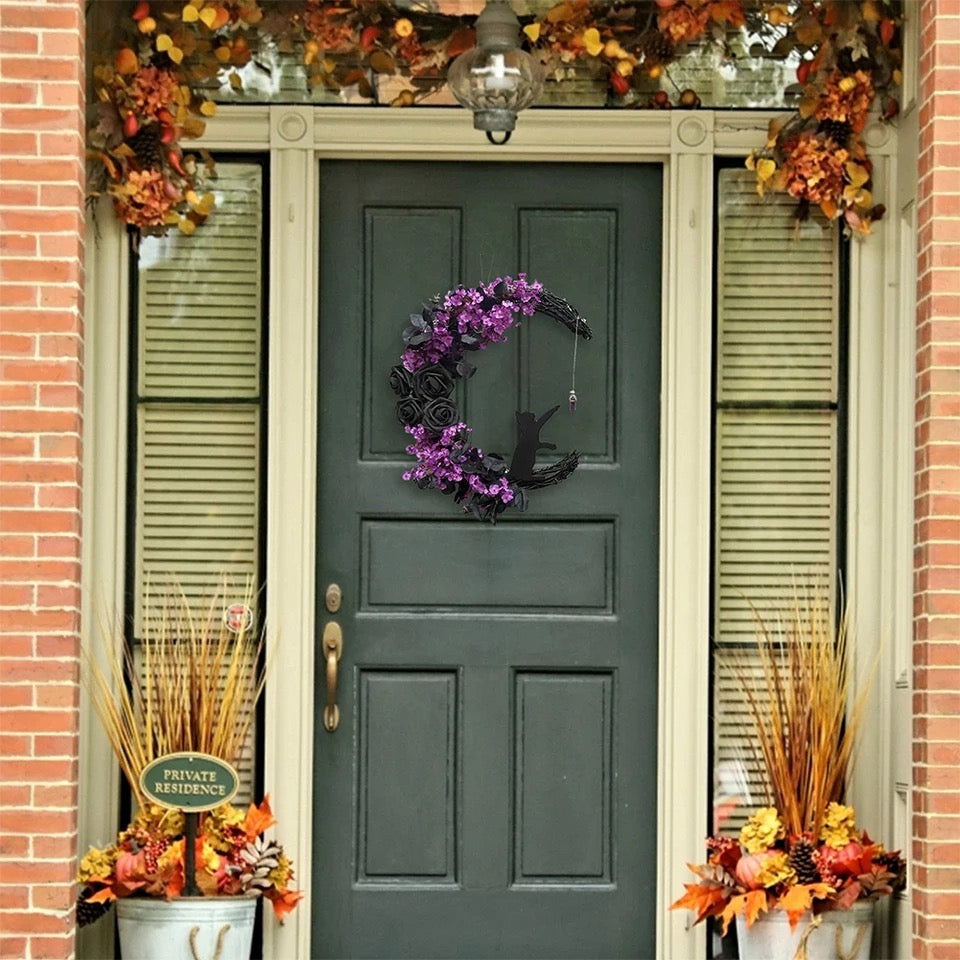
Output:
x=461 y=320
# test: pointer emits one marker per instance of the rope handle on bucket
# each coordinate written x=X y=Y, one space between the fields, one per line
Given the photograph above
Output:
x=219 y=949
x=801 y=953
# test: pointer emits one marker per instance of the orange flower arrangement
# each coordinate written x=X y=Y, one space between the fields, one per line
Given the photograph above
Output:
x=154 y=93
x=148 y=859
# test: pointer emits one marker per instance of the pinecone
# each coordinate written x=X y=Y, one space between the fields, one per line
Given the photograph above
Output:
x=88 y=912
x=896 y=865
x=836 y=130
x=259 y=858
x=803 y=862
x=145 y=143
x=655 y=46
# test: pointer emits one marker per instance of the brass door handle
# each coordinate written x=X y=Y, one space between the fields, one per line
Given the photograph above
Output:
x=332 y=651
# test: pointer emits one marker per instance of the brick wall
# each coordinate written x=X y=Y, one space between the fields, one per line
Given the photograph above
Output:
x=936 y=728
x=41 y=386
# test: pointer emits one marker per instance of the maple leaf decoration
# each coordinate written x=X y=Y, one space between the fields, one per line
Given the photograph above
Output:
x=799 y=898
x=751 y=905
x=707 y=899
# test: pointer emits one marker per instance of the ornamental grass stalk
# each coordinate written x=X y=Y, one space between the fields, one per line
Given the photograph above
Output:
x=192 y=684
x=805 y=719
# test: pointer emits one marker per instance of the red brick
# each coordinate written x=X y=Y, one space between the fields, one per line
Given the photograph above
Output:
x=40 y=721
x=14 y=671
x=32 y=922
x=50 y=948
x=54 y=848
x=58 y=695
x=13 y=948
x=53 y=896
x=35 y=16
x=16 y=695
x=14 y=898
x=11 y=746
x=11 y=847
x=51 y=746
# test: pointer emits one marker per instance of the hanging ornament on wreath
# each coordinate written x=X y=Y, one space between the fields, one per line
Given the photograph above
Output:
x=437 y=340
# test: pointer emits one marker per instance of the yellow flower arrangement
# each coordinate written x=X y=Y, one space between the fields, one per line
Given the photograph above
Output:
x=839 y=826
x=762 y=830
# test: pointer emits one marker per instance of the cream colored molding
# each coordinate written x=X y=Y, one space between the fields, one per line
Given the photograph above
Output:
x=291 y=509
x=431 y=134
x=685 y=467
x=104 y=498
x=879 y=521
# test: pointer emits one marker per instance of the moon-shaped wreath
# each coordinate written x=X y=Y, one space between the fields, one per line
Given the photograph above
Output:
x=424 y=381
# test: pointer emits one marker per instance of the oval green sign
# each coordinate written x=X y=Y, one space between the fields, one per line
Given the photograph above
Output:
x=189 y=781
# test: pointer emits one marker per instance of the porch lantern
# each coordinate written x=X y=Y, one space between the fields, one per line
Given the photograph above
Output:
x=496 y=79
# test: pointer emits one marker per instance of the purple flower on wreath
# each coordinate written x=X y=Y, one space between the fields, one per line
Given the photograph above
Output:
x=471 y=319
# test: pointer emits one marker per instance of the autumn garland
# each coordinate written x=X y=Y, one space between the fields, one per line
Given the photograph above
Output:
x=157 y=91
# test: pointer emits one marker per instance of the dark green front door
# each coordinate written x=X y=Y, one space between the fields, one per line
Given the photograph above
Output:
x=492 y=788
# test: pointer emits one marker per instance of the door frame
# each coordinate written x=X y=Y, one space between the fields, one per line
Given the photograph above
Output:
x=297 y=138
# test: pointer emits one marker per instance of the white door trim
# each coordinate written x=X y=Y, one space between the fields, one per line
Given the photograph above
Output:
x=297 y=138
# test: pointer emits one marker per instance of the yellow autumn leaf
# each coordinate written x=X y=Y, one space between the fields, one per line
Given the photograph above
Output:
x=171 y=218
x=208 y=108
x=751 y=162
x=765 y=169
x=857 y=175
x=591 y=41
x=208 y=15
x=175 y=54
x=186 y=226
x=808 y=107
x=857 y=197
x=532 y=30
x=206 y=204
x=236 y=81
x=773 y=130
x=190 y=14
x=164 y=42
x=829 y=208
x=147 y=25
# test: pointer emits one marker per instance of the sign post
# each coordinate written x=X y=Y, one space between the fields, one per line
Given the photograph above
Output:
x=192 y=783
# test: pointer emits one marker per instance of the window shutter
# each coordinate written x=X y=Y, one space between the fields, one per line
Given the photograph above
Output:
x=198 y=416
x=776 y=449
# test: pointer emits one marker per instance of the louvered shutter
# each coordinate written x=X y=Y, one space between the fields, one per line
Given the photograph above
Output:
x=776 y=448
x=198 y=415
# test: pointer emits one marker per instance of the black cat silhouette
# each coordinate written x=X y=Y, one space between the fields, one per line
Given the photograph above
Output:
x=528 y=443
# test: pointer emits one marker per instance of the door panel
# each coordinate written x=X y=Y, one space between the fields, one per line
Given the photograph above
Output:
x=491 y=789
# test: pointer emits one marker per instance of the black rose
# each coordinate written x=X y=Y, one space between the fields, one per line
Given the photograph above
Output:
x=409 y=411
x=433 y=382
x=439 y=414
x=401 y=380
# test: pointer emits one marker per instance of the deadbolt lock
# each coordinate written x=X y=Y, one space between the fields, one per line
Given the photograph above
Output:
x=333 y=598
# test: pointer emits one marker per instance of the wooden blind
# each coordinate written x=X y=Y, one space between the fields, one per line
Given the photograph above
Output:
x=776 y=448
x=198 y=486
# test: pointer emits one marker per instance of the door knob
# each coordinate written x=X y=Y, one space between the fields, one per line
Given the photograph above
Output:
x=332 y=651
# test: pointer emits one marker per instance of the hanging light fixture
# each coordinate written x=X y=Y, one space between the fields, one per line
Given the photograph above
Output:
x=496 y=79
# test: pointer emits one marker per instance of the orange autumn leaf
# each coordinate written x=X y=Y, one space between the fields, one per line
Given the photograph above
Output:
x=799 y=898
x=283 y=901
x=751 y=905
x=126 y=61
x=707 y=899
x=258 y=819
x=102 y=896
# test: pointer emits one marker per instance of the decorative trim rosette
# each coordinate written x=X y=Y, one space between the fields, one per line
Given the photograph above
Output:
x=424 y=381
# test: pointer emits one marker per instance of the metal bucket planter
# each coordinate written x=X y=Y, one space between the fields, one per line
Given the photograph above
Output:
x=188 y=928
x=832 y=935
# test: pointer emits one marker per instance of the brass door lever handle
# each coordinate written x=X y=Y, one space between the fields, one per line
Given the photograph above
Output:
x=332 y=651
